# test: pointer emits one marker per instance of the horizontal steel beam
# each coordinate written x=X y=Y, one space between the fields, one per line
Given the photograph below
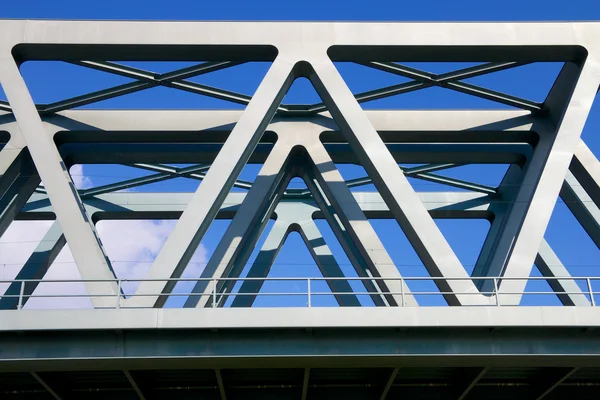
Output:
x=169 y=205
x=330 y=317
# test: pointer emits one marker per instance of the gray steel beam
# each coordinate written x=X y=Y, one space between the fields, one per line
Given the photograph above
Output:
x=567 y=290
x=204 y=205
x=262 y=264
x=465 y=347
x=295 y=217
x=164 y=205
x=513 y=245
x=451 y=81
x=389 y=383
x=16 y=195
x=357 y=237
x=545 y=175
x=220 y=384
x=245 y=229
x=424 y=235
x=323 y=256
x=471 y=382
x=548 y=384
x=507 y=191
x=146 y=80
x=145 y=180
x=582 y=206
x=134 y=385
x=78 y=229
x=586 y=169
x=12 y=159
x=549 y=319
x=34 y=268
x=4 y=106
x=305 y=383
x=52 y=391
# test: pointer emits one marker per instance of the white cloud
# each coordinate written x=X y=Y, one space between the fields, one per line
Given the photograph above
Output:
x=130 y=245
x=79 y=179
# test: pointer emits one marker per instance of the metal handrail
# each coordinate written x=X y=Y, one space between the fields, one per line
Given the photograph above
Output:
x=218 y=296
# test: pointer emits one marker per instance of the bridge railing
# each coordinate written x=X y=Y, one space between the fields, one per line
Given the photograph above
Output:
x=299 y=292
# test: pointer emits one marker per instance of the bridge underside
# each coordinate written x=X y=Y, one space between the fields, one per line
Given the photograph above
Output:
x=412 y=352
x=319 y=363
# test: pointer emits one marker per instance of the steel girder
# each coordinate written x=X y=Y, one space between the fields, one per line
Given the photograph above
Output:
x=541 y=140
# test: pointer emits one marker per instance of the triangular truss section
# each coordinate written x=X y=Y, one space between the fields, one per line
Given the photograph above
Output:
x=519 y=207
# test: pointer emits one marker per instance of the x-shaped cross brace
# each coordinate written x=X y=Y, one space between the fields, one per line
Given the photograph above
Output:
x=177 y=80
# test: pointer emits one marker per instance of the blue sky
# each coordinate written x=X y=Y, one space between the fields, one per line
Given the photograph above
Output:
x=52 y=81
x=350 y=10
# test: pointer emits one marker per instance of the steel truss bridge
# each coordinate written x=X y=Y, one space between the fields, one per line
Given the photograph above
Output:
x=378 y=338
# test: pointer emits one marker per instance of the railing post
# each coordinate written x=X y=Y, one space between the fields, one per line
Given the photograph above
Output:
x=118 y=293
x=402 y=303
x=308 y=291
x=589 y=284
x=214 y=293
x=497 y=292
x=21 y=292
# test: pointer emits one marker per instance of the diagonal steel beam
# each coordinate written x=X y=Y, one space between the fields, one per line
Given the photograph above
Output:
x=305 y=383
x=144 y=180
x=136 y=73
x=146 y=80
x=4 y=106
x=582 y=206
x=179 y=172
x=86 y=247
x=296 y=217
x=472 y=381
x=134 y=385
x=545 y=174
x=549 y=384
x=458 y=183
x=567 y=290
x=422 y=80
x=208 y=198
x=35 y=268
x=419 y=173
x=451 y=81
x=52 y=391
x=240 y=238
x=426 y=238
x=220 y=384
x=389 y=383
